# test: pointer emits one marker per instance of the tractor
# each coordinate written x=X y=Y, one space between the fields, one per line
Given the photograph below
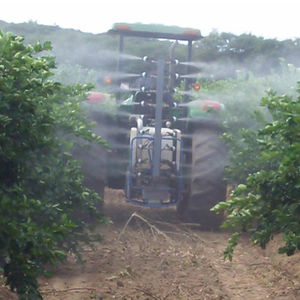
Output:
x=168 y=152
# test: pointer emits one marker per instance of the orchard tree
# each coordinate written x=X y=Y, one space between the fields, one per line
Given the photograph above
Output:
x=42 y=196
x=265 y=165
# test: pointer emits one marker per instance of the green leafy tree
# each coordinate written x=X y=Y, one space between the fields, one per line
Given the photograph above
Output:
x=43 y=202
x=241 y=96
x=72 y=74
x=227 y=51
x=266 y=164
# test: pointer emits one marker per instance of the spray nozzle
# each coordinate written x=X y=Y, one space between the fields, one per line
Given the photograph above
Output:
x=175 y=62
x=148 y=59
x=140 y=161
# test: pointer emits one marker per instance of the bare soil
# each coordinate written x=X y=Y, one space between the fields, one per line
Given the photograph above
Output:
x=149 y=254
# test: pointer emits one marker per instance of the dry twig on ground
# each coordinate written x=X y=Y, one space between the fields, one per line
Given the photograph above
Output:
x=151 y=226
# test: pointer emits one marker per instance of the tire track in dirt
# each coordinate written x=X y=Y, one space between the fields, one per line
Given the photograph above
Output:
x=158 y=257
x=252 y=274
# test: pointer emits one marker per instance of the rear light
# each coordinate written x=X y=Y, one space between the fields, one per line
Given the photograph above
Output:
x=196 y=86
x=123 y=27
x=191 y=32
x=107 y=80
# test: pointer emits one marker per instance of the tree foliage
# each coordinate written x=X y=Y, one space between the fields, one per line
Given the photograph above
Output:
x=266 y=165
x=42 y=197
x=221 y=53
x=241 y=96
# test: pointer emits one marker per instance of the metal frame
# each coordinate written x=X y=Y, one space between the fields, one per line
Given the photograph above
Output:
x=158 y=118
x=179 y=175
x=188 y=38
x=187 y=34
x=157 y=139
x=189 y=58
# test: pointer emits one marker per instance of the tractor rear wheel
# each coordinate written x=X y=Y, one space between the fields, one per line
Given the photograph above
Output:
x=207 y=184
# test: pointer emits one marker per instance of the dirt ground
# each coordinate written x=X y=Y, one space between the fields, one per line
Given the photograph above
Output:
x=149 y=254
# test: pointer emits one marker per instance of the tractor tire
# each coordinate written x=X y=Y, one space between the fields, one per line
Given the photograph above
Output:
x=207 y=186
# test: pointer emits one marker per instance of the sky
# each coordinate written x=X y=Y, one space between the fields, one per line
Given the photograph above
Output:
x=267 y=18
